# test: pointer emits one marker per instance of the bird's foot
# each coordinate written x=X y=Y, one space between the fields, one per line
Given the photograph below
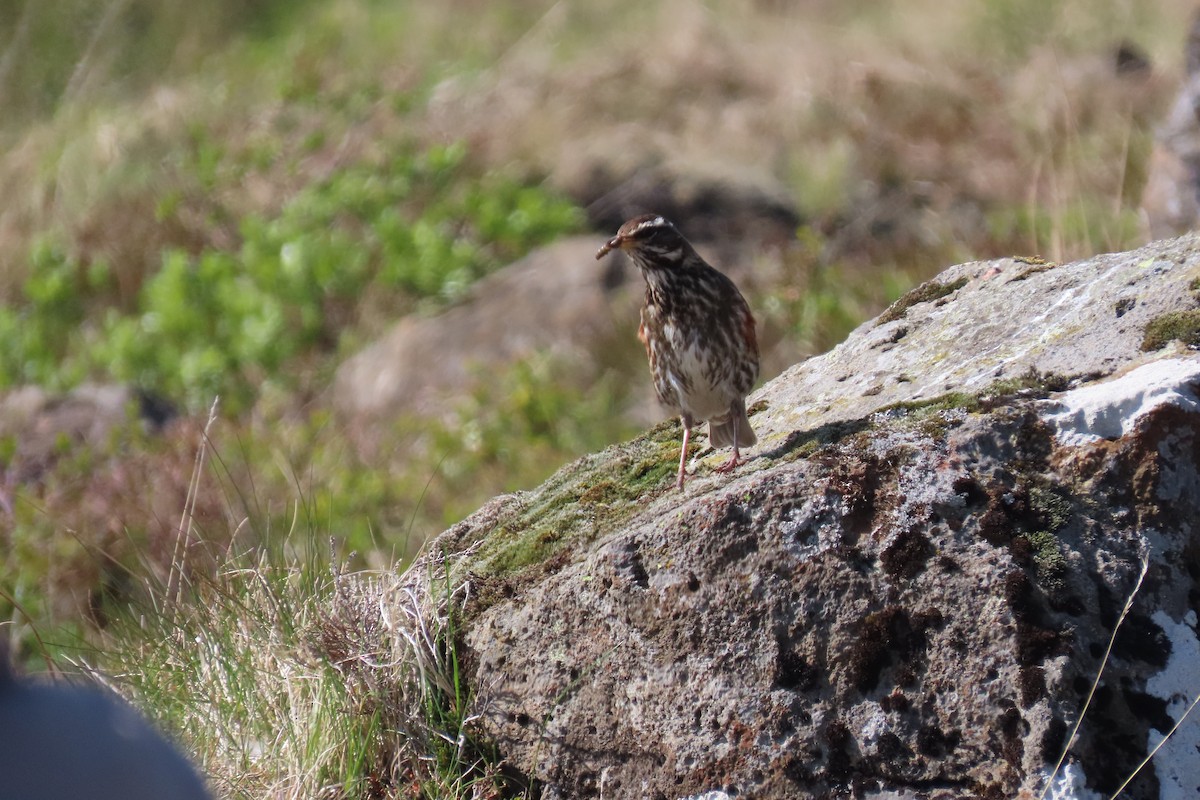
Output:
x=735 y=460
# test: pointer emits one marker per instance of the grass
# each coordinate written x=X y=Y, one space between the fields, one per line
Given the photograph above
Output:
x=276 y=718
x=223 y=322
x=96 y=519
x=286 y=678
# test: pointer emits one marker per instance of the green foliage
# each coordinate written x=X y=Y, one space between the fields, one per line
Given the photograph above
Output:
x=98 y=515
x=514 y=428
x=512 y=419
x=221 y=322
x=34 y=338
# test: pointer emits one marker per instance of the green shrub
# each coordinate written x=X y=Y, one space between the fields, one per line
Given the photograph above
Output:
x=223 y=322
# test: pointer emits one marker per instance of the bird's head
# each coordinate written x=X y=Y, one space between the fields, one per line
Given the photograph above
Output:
x=647 y=238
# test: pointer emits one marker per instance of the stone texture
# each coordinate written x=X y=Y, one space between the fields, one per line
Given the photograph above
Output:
x=907 y=591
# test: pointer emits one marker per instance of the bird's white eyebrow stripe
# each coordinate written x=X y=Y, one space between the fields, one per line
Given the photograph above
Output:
x=657 y=222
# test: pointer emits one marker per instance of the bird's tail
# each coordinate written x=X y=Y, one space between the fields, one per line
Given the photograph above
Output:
x=720 y=429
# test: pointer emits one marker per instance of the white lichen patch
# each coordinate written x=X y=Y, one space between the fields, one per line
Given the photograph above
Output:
x=1070 y=784
x=1112 y=409
x=1178 y=683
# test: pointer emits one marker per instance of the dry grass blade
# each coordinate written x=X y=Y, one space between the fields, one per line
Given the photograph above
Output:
x=186 y=521
x=1096 y=681
x=1156 y=748
x=396 y=639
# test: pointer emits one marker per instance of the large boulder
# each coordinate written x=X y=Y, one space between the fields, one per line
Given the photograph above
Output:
x=909 y=589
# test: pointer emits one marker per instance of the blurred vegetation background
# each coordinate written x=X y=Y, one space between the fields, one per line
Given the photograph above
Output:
x=232 y=198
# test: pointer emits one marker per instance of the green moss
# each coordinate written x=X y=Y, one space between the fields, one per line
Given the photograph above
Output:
x=1037 y=264
x=942 y=402
x=926 y=292
x=533 y=534
x=649 y=473
x=586 y=498
x=930 y=415
x=1052 y=507
x=803 y=444
x=804 y=447
x=1049 y=510
x=1165 y=328
x=1029 y=384
x=1051 y=564
x=668 y=430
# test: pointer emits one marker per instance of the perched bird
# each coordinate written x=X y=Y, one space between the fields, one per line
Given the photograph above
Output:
x=698 y=332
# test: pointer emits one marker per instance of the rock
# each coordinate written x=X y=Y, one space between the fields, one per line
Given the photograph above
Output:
x=40 y=421
x=1113 y=409
x=983 y=322
x=908 y=590
x=557 y=298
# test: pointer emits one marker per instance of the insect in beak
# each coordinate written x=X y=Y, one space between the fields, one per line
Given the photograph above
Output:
x=611 y=244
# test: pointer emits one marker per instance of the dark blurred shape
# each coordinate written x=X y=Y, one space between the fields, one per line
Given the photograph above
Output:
x=710 y=209
x=154 y=409
x=1192 y=52
x=60 y=742
x=1131 y=59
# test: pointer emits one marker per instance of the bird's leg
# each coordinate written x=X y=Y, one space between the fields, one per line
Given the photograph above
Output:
x=687 y=433
x=734 y=459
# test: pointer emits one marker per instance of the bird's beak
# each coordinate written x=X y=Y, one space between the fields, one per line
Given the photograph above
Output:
x=612 y=244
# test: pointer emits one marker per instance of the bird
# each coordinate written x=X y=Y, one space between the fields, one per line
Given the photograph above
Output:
x=698 y=332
